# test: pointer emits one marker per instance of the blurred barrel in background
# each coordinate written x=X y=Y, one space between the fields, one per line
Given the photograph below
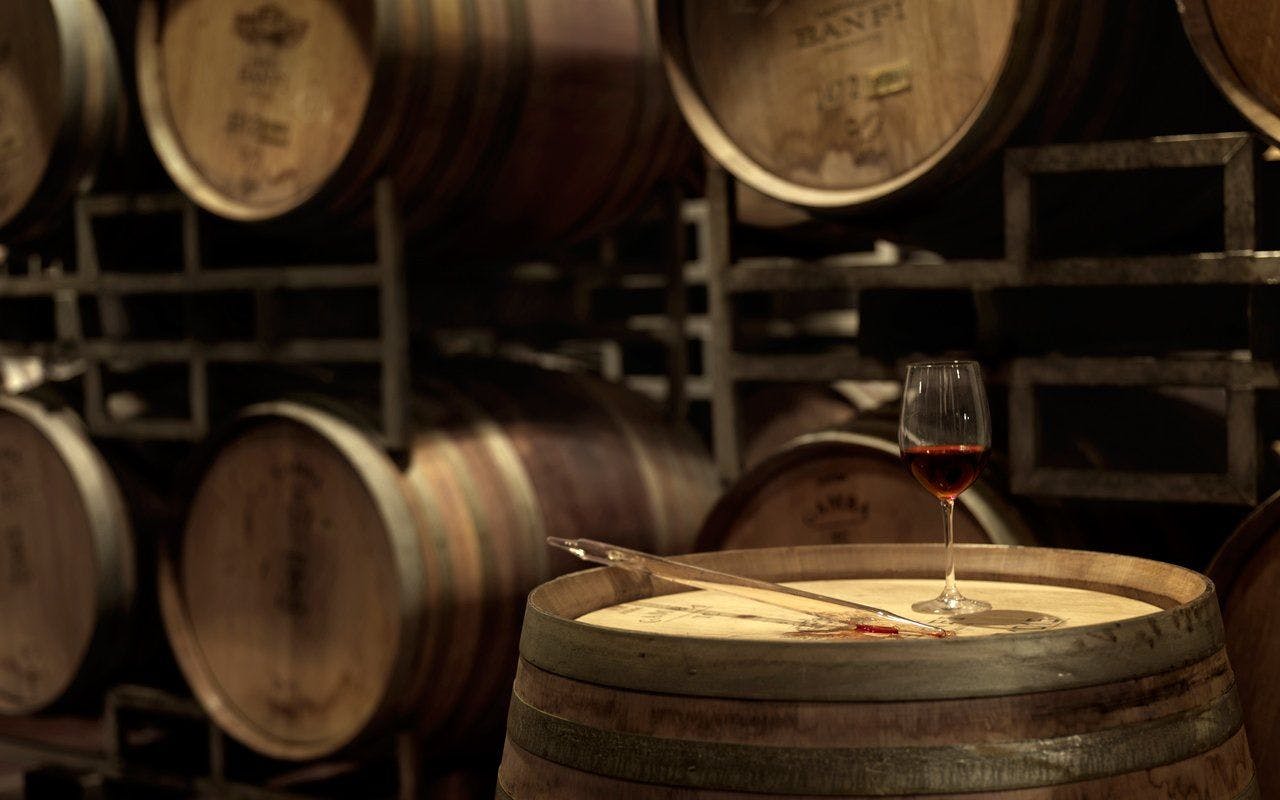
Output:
x=534 y=121
x=849 y=486
x=896 y=111
x=60 y=108
x=321 y=591
x=1247 y=573
x=1235 y=41
x=774 y=415
x=68 y=574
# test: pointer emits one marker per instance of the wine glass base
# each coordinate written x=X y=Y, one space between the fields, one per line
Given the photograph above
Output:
x=951 y=605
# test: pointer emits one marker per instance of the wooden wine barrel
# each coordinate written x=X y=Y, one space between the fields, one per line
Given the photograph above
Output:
x=892 y=104
x=532 y=120
x=840 y=487
x=320 y=591
x=60 y=107
x=67 y=568
x=774 y=415
x=1231 y=38
x=1094 y=675
x=1246 y=571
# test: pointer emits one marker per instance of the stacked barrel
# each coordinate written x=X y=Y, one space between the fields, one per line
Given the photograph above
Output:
x=323 y=592
x=60 y=108
x=534 y=121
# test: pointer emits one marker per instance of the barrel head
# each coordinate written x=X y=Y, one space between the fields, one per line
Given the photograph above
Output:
x=252 y=106
x=832 y=104
x=282 y=599
x=49 y=562
x=31 y=100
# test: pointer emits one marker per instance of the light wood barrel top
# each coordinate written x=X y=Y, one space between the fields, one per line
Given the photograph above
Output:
x=1186 y=626
x=66 y=556
x=1016 y=608
x=269 y=138
x=294 y=611
x=31 y=110
x=1095 y=675
x=830 y=104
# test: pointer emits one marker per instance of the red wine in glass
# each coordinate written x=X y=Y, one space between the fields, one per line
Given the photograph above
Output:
x=948 y=469
x=945 y=437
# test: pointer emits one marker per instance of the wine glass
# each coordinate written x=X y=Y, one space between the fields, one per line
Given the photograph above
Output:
x=945 y=437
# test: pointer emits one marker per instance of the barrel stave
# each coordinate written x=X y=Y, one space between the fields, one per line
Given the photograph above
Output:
x=437 y=553
x=1080 y=709
x=533 y=121
x=68 y=574
x=61 y=109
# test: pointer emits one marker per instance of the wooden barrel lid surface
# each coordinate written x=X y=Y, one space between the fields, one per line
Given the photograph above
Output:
x=837 y=487
x=295 y=616
x=30 y=100
x=1016 y=607
x=1096 y=675
x=836 y=104
x=66 y=557
x=1234 y=41
x=1246 y=571
x=266 y=142
x=1188 y=627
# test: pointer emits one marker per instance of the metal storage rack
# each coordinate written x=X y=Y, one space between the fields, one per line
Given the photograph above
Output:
x=150 y=740
x=66 y=288
x=118 y=745
x=1240 y=374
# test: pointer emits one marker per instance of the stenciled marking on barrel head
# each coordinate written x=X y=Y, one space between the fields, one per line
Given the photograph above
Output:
x=270 y=25
x=269 y=31
x=257 y=128
x=288 y=567
x=847 y=24
x=835 y=507
x=865 y=132
x=17 y=570
x=296 y=575
x=261 y=74
x=12 y=143
x=839 y=92
x=15 y=494
x=10 y=151
x=24 y=676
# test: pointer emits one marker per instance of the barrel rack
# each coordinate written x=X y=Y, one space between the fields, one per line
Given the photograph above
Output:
x=191 y=283
x=74 y=285
x=151 y=743
x=1241 y=373
x=77 y=325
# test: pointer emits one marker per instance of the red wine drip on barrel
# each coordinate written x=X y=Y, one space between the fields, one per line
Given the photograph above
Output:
x=946 y=469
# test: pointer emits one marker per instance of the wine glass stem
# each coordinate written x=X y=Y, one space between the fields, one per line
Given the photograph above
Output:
x=948 y=516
